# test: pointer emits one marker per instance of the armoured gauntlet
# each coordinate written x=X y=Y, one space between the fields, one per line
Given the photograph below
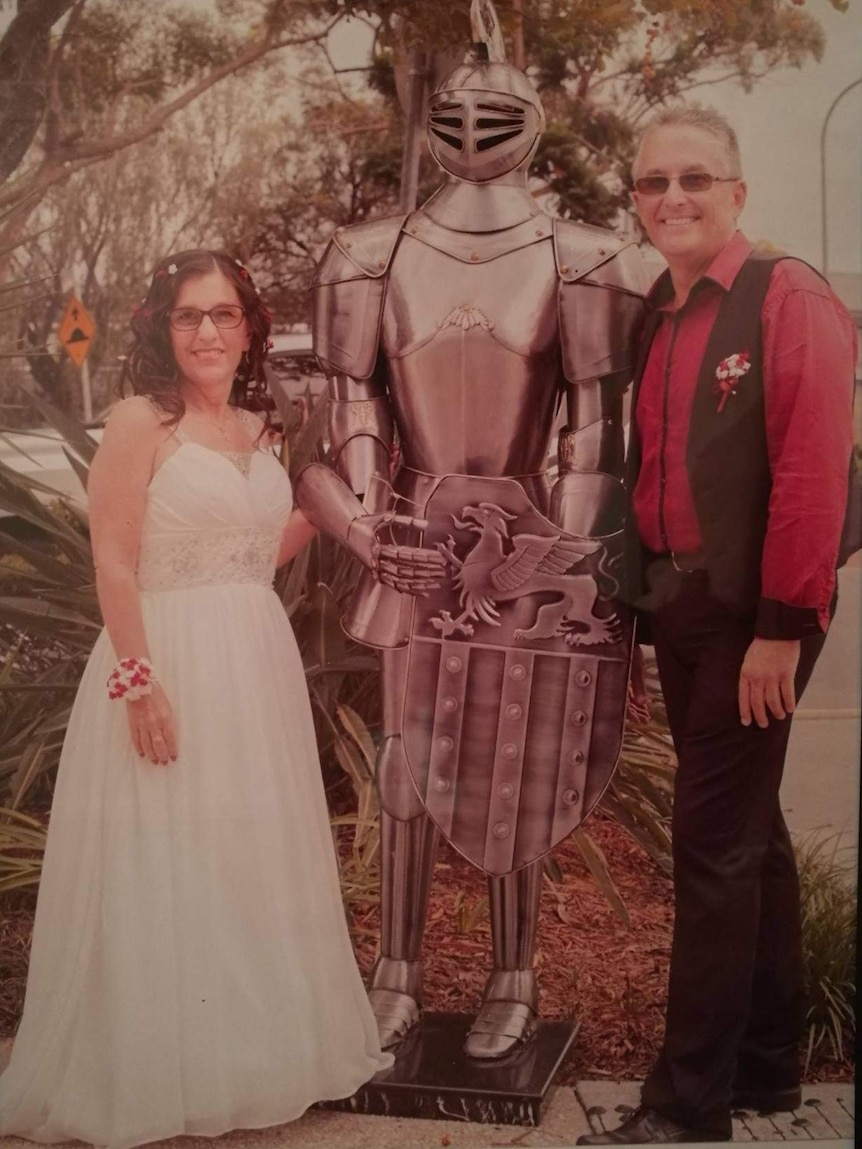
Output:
x=328 y=503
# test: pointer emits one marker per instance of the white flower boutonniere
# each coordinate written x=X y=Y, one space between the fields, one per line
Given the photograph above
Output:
x=728 y=373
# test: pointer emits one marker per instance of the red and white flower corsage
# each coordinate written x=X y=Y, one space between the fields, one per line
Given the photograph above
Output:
x=728 y=373
x=131 y=678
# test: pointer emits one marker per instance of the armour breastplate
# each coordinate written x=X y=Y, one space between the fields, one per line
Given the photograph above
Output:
x=473 y=358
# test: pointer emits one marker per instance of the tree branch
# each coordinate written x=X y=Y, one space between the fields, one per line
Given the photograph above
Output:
x=65 y=161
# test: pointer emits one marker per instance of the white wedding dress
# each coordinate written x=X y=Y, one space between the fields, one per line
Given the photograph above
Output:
x=191 y=970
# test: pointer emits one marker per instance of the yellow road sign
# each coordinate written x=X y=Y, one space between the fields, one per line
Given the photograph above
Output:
x=77 y=328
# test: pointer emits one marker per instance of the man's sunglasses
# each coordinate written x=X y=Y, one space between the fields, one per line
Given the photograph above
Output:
x=688 y=181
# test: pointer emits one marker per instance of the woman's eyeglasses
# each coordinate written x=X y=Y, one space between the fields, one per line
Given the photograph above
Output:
x=688 y=181
x=188 y=318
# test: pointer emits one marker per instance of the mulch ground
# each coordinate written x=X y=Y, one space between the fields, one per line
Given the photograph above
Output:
x=609 y=976
x=592 y=967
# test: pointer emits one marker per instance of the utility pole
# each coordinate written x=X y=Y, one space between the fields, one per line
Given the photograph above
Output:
x=823 y=213
x=417 y=76
x=519 y=59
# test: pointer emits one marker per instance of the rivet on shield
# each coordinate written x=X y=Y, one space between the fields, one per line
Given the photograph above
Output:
x=507 y=790
x=441 y=785
x=514 y=711
x=578 y=718
x=450 y=704
x=583 y=678
x=501 y=830
x=576 y=757
x=570 y=797
x=518 y=672
x=510 y=751
x=445 y=743
x=453 y=664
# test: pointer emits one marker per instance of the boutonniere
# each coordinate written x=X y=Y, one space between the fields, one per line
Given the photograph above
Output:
x=728 y=373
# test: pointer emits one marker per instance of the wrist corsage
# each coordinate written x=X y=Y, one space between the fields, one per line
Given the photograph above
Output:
x=131 y=678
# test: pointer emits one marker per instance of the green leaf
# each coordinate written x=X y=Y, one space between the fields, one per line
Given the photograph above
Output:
x=80 y=469
x=26 y=773
x=598 y=867
x=357 y=729
x=72 y=431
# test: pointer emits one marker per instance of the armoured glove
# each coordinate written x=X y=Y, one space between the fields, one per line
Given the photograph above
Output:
x=411 y=570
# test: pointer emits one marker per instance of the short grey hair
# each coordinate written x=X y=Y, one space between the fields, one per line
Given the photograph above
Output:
x=696 y=116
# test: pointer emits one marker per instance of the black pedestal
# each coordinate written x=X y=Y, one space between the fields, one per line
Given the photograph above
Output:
x=433 y=1078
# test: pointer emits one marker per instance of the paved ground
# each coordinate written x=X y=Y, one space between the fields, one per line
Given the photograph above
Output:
x=826 y=1114
x=820 y=792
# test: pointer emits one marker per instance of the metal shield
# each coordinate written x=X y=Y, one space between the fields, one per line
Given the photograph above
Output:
x=517 y=674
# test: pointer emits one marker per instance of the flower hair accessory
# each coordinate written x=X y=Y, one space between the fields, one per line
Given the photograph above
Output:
x=131 y=678
x=728 y=373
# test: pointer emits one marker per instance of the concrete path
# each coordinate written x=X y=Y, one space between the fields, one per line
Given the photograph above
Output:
x=820 y=792
x=826 y=1114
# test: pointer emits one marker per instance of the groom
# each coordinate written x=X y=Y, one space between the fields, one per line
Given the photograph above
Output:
x=738 y=465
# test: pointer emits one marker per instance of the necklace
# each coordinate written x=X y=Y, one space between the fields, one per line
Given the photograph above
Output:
x=222 y=426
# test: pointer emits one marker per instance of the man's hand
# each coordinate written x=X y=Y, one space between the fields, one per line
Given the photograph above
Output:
x=411 y=570
x=766 y=681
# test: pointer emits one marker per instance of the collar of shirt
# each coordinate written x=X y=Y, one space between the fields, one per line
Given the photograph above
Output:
x=722 y=272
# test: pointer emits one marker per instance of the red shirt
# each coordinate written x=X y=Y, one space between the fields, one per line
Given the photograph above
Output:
x=809 y=357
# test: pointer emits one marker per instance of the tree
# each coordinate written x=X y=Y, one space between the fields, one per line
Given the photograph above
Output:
x=104 y=230
x=601 y=65
x=116 y=75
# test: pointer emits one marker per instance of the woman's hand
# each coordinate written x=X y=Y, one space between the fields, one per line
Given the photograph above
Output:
x=151 y=723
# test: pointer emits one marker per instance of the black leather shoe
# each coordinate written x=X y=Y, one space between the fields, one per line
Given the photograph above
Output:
x=767 y=1100
x=645 y=1126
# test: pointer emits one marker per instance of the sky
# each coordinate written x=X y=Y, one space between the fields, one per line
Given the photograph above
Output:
x=779 y=125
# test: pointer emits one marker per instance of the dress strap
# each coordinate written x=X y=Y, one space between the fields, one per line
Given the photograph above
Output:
x=252 y=427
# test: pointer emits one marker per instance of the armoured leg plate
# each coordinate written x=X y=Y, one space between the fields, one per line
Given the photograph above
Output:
x=395 y=993
x=508 y=1017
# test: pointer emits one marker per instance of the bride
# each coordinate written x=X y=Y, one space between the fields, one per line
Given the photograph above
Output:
x=191 y=970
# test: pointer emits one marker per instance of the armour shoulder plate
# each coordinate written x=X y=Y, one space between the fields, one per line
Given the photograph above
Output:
x=359 y=250
x=347 y=295
x=602 y=288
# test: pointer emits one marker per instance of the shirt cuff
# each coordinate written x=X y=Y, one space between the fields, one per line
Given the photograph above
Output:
x=643 y=628
x=778 y=620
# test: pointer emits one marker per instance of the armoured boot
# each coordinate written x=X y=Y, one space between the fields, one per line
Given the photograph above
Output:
x=508 y=1016
x=395 y=989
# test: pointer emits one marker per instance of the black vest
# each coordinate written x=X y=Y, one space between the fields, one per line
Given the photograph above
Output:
x=727 y=453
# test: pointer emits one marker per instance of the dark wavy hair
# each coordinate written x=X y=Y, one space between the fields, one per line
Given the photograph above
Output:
x=149 y=367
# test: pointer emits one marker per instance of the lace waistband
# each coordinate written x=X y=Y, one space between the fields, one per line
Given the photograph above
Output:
x=208 y=558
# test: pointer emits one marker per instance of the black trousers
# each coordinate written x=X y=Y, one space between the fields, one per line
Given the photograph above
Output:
x=736 y=1004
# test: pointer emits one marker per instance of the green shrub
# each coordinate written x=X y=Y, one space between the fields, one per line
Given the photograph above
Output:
x=828 y=898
